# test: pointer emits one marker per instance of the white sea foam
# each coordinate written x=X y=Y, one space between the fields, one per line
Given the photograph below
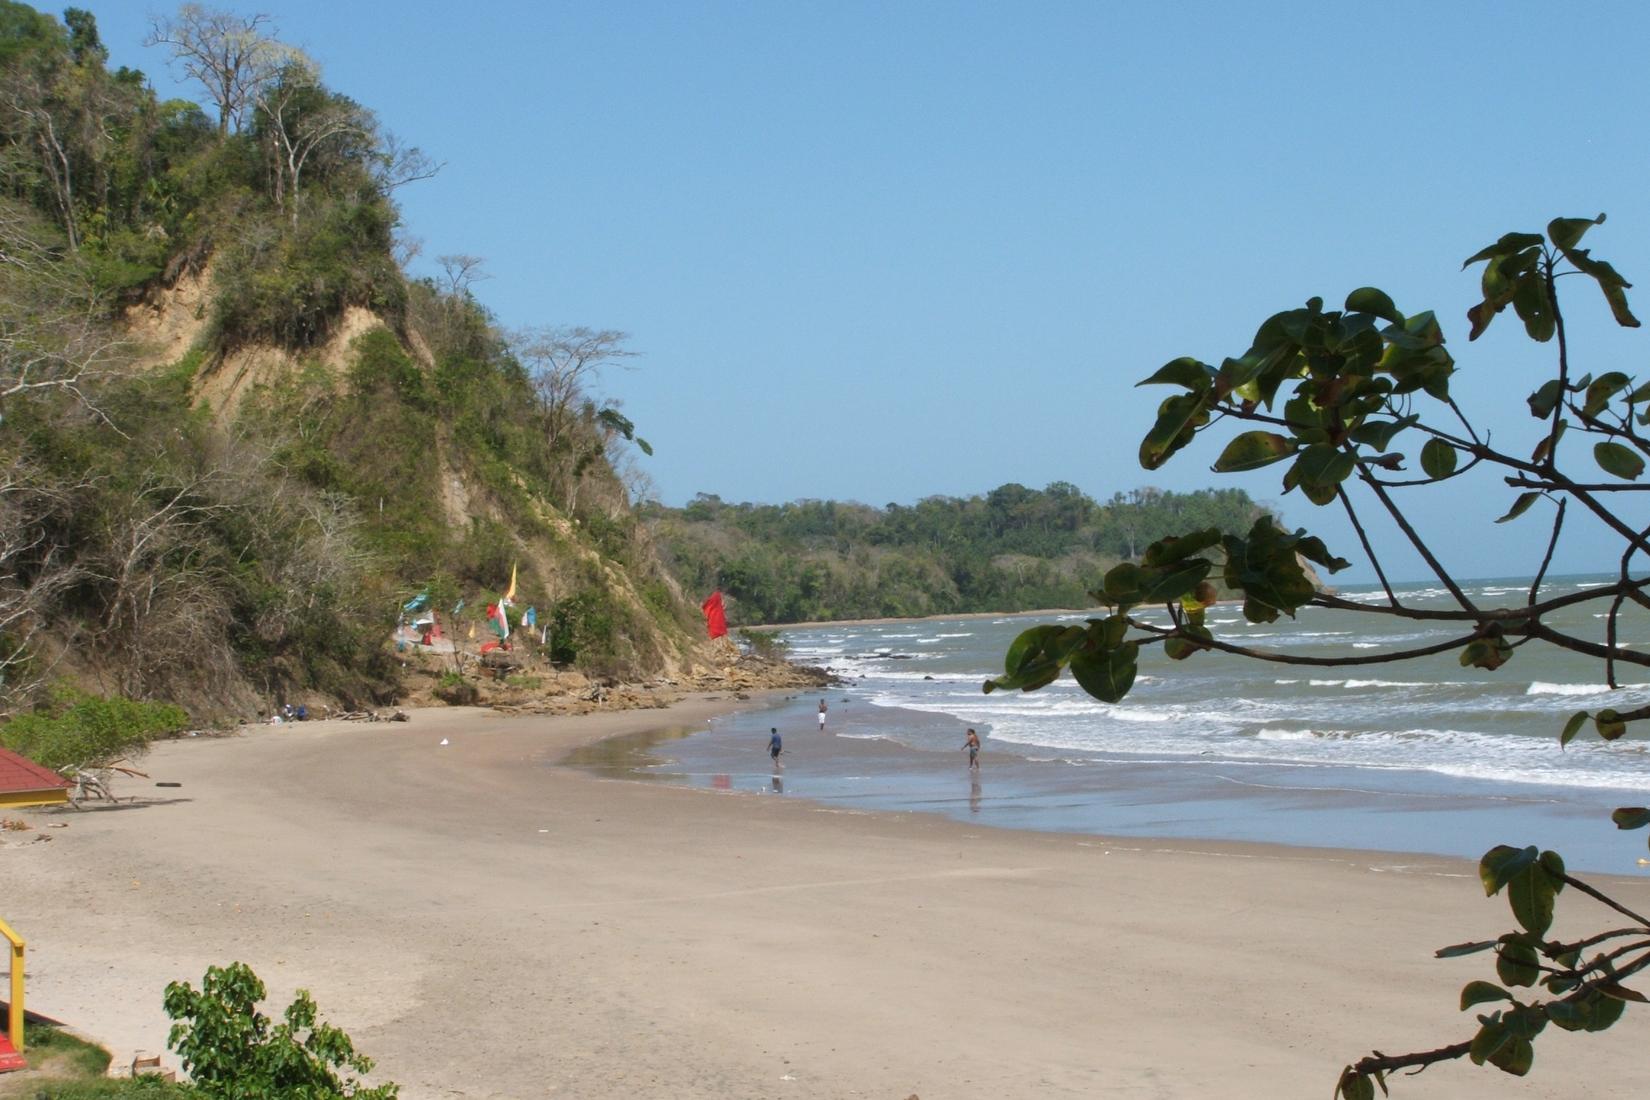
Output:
x=1539 y=688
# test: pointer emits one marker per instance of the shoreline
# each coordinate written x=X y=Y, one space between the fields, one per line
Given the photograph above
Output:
x=569 y=935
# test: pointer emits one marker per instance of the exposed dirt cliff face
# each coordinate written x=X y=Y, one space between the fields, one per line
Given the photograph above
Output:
x=175 y=325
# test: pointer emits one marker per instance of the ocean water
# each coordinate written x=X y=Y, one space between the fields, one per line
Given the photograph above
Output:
x=1418 y=756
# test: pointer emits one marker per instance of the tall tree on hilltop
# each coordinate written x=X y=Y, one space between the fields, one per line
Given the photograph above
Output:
x=229 y=55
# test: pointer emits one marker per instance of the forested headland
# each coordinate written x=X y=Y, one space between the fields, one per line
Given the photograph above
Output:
x=1011 y=549
x=237 y=435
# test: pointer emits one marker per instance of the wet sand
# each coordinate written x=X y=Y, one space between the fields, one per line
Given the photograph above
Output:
x=485 y=924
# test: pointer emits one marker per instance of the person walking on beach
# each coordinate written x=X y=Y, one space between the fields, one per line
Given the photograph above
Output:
x=775 y=746
x=972 y=744
x=822 y=714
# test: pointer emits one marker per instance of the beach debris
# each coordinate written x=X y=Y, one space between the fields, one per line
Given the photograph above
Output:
x=444 y=741
x=14 y=825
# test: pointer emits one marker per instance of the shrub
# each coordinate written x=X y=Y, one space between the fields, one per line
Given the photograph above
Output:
x=234 y=1052
x=80 y=729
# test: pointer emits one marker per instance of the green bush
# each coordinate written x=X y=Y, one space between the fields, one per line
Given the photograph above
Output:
x=234 y=1052
x=80 y=729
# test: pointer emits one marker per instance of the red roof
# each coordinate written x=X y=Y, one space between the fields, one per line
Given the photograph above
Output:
x=19 y=773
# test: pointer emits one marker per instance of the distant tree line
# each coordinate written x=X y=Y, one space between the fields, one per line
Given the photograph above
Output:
x=1011 y=549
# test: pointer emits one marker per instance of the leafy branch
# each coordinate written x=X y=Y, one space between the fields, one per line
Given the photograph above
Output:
x=1343 y=396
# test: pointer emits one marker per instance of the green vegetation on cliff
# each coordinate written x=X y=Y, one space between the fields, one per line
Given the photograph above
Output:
x=237 y=519
x=1012 y=549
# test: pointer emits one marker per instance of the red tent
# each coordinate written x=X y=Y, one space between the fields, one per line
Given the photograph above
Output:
x=716 y=620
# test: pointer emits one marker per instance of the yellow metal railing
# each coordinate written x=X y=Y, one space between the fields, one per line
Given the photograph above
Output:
x=15 y=1024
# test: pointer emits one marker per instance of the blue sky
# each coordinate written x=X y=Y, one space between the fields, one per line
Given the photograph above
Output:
x=880 y=251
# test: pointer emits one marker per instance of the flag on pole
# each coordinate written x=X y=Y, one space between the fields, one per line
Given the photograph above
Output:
x=716 y=619
x=418 y=602
x=498 y=620
x=472 y=632
x=511 y=594
x=531 y=618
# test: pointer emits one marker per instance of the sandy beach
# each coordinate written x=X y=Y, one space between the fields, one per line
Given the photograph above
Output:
x=487 y=924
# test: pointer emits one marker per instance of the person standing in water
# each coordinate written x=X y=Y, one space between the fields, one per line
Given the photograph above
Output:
x=822 y=709
x=972 y=744
x=775 y=746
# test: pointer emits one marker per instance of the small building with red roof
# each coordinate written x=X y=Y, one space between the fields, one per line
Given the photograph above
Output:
x=25 y=783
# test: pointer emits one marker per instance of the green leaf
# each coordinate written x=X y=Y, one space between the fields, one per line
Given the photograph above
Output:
x=1509 y=244
x=1515 y=1056
x=1566 y=233
x=1486 y=653
x=1458 y=949
x=1028 y=646
x=1378 y=433
x=1572 y=727
x=1520 y=506
x=1534 y=306
x=1477 y=993
x=1323 y=466
x=1438 y=459
x=1368 y=299
x=1107 y=675
x=1173 y=548
x=1531 y=895
x=1184 y=371
x=1516 y=964
x=1605 y=1011
x=1631 y=817
x=1609 y=724
x=1355 y=1086
x=1252 y=450
x=1194 y=640
x=1124 y=583
x=1169 y=583
x=1178 y=420
x=1544 y=400
x=1614 y=458
x=1605 y=387
x=1490 y=1038
x=1501 y=863
x=1619 y=992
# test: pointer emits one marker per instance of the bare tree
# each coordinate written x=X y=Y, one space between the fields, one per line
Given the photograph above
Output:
x=396 y=164
x=562 y=363
x=52 y=332
x=301 y=117
x=229 y=55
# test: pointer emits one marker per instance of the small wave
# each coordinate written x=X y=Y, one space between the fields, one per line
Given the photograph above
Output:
x=1359 y=684
x=1541 y=688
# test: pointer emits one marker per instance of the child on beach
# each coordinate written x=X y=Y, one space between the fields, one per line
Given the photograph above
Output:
x=775 y=747
x=822 y=714
x=972 y=744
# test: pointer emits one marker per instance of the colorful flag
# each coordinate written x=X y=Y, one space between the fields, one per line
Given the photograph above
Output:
x=418 y=602
x=457 y=607
x=472 y=632
x=498 y=620
x=716 y=619
x=511 y=594
x=531 y=618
